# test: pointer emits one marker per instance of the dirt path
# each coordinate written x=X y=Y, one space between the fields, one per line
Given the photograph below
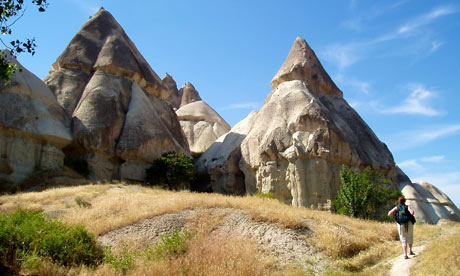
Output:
x=401 y=266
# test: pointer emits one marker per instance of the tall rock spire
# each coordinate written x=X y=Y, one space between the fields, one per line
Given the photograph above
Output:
x=121 y=111
x=102 y=44
x=188 y=94
x=302 y=64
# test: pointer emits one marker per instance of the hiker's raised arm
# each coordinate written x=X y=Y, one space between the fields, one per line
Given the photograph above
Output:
x=392 y=211
x=411 y=210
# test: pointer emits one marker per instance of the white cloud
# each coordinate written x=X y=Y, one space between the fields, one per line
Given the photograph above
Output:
x=414 y=138
x=346 y=54
x=435 y=45
x=249 y=105
x=433 y=159
x=416 y=103
x=359 y=21
x=416 y=165
x=429 y=135
x=342 y=55
x=425 y=19
x=411 y=165
x=361 y=86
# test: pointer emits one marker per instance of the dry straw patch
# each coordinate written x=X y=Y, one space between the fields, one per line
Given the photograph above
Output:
x=115 y=206
x=442 y=256
x=214 y=255
x=52 y=199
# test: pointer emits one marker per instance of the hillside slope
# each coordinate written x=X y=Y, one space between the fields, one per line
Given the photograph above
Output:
x=222 y=234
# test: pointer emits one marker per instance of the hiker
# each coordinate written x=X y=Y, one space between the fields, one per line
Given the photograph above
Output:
x=404 y=216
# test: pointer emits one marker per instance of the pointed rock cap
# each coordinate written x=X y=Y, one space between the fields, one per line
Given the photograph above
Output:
x=169 y=82
x=188 y=94
x=102 y=44
x=172 y=93
x=302 y=64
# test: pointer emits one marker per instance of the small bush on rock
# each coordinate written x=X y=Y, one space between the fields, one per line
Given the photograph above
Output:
x=26 y=234
x=172 y=170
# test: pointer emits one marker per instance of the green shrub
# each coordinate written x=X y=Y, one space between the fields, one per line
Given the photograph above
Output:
x=175 y=171
x=121 y=262
x=265 y=195
x=170 y=245
x=362 y=194
x=82 y=203
x=26 y=234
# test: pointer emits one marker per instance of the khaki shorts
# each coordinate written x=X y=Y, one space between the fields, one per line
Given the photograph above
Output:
x=406 y=235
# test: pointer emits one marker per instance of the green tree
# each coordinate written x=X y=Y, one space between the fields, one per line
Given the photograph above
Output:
x=172 y=169
x=363 y=193
x=10 y=12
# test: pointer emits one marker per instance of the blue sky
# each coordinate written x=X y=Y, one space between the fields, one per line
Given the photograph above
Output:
x=397 y=62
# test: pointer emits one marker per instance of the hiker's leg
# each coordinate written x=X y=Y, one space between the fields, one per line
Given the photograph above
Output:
x=405 y=249
x=410 y=237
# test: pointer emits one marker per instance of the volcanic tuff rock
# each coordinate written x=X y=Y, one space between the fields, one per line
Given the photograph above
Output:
x=173 y=93
x=188 y=94
x=429 y=203
x=295 y=145
x=119 y=117
x=32 y=128
x=201 y=125
x=302 y=64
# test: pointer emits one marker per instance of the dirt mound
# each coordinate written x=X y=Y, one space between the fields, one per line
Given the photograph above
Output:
x=286 y=245
x=146 y=232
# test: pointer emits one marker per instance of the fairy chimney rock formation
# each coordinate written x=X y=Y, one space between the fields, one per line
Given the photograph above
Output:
x=302 y=64
x=429 y=202
x=173 y=93
x=117 y=104
x=33 y=128
x=295 y=145
x=201 y=124
x=188 y=94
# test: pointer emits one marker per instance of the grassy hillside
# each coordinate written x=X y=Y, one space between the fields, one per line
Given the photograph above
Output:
x=158 y=232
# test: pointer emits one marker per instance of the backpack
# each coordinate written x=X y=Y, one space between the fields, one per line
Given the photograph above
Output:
x=403 y=215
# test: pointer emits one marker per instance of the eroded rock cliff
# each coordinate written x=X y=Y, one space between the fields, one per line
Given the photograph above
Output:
x=201 y=124
x=33 y=128
x=295 y=144
x=118 y=107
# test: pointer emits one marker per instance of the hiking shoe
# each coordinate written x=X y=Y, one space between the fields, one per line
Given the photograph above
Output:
x=405 y=257
x=412 y=253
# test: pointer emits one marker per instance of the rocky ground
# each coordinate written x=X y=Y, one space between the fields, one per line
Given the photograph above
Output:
x=286 y=245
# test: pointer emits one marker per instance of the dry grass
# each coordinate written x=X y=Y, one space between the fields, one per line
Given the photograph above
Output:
x=214 y=255
x=357 y=243
x=53 y=199
x=442 y=256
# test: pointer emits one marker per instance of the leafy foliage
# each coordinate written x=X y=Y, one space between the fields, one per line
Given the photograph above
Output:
x=122 y=262
x=10 y=12
x=363 y=193
x=26 y=234
x=265 y=195
x=176 y=171
x=82 y=203
x=170 y=245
